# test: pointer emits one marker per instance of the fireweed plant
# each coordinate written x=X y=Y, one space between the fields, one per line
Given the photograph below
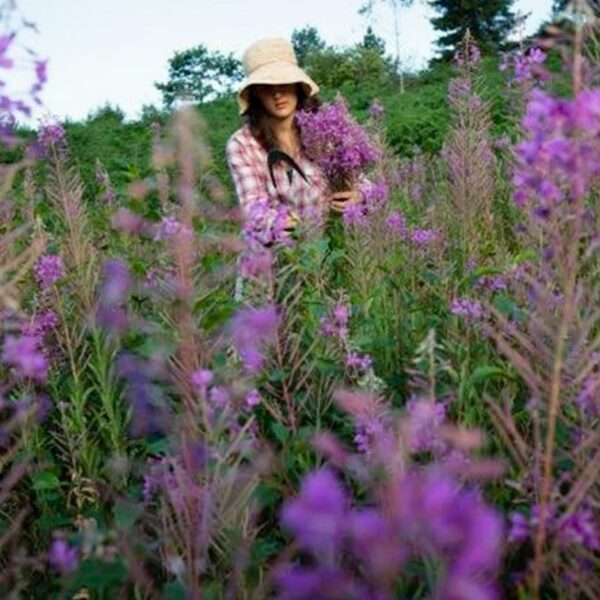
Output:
x=162 y=440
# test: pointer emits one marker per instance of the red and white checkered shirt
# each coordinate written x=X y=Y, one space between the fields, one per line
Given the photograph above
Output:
x=247 y=160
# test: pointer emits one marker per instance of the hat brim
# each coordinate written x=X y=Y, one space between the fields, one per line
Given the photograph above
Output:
x=275 y=73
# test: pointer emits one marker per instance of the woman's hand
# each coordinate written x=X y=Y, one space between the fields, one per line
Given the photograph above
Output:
x=291 y=221
x=339 y=201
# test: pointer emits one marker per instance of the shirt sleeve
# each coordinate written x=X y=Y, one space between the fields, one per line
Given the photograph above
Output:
x=245 y=174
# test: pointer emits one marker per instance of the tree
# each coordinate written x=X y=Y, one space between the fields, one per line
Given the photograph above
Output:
x=373 y=42
x=306 y=41
x=489 y=22
x=198 y=75
x=592 y=6
x=395 y=5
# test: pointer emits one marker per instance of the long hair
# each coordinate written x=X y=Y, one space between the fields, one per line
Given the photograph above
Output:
x=257 y=118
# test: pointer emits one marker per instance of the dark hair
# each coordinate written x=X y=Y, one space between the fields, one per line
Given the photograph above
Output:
x=256 y=115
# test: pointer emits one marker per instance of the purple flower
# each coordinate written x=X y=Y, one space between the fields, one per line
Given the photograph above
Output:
x=114 y=290
x=375 y=196
x=376 y=110
x=25 y=356
x=48 y=270
x=422 y=237
x=494 y=283
x=369 y=431
x=472 y=310
x=251 y=330
x=317 y=516
x=202 y=378
x=5 y=42
x=219 y=397
x=425 y=420
x=62 y=556
x=581 y=528
x=128 y=222
x=336 y=324
x=557 y=162
x=265 y=223
x=42 y=323
x=51 y=134
x=519 y=528
x=170 y=228
x=255 y=262
x=396 y=222
x=340 y=146
x=361 y=362
x=588 y=398
x=252 y=398
x=355 y=215
x=324 y=583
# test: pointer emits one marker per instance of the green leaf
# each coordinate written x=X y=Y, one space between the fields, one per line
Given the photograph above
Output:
x=99 y=575
x=126 y=514
x=507 y=307
x=280 y=432
x=45 y=480
x=174 y=590
x=481 y=374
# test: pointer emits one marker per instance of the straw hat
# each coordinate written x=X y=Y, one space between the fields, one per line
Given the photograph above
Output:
x=272 y=61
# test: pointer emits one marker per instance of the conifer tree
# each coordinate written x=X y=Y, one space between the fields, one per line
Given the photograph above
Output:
x=489 y=22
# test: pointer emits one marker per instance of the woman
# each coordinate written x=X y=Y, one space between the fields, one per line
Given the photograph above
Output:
x=284 y=187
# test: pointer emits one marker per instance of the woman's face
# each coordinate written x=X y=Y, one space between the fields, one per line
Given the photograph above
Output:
x=280 y=101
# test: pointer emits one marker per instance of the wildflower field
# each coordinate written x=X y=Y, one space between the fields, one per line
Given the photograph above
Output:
x=410 y=411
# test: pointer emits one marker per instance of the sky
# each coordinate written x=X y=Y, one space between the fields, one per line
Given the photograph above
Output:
x=113 y=51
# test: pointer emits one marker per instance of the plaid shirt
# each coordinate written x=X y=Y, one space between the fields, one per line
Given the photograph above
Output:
x=247 y=160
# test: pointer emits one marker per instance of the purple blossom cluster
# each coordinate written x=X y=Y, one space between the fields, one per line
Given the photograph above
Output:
x=468 y=57
x=526 y=67
x=423 y=237
x=265 y=223
x=376 y=110
x=63 y=557
x=151 y=414
x=360 y=362
x=335 y=324
x=48 y=270
x=579 y=528
x=170 y=229
x=493 y=283
x=51 y=136
x=111 y=311
x=396 y=223
x=25 y=355
x=411 y=176
x=359 y=551
x=426 y=418
x=374 y=198
x=340 y=146
x=558 y=161
x=252 y=329
x=471 y=310
x=13 y=101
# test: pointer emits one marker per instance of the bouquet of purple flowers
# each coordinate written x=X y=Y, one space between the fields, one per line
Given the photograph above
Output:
x=337 y=144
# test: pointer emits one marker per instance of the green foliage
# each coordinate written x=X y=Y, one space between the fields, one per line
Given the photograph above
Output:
x=489 y=23
x=306 y=41
x=373 y=41
x=199 y=74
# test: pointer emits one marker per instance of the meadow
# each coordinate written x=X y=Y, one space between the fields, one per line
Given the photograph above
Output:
x=410 y=411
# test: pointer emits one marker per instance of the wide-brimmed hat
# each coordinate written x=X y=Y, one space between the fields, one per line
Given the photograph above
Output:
x=272 y=61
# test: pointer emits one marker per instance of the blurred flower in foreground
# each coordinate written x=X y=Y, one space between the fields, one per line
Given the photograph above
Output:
x=251 y=330
x=25 y=356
